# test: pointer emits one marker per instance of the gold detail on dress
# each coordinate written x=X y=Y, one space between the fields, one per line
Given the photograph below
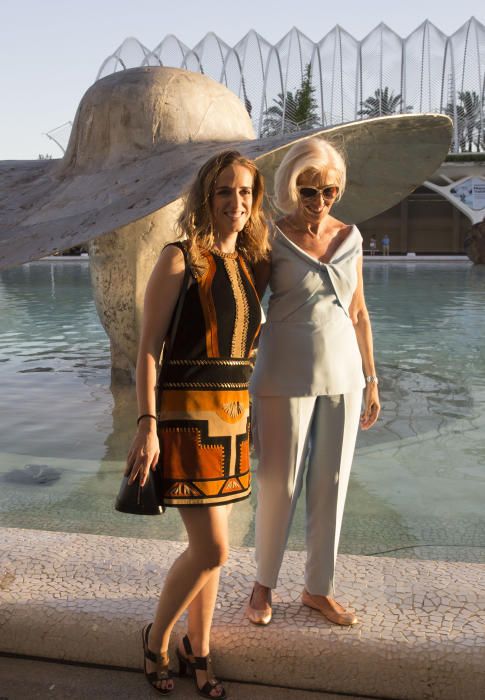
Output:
x=176 y=428
x=232 y=485
x=241 y=322
x=200 y=267
x=224 y=363
x=250 y=280
x=182 y=489
x=205 y=385
x=233 y=408
x=204 y=501
x=228 y=256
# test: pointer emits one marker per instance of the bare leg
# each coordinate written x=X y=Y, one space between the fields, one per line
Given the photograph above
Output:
x=198 y=566
x=201 y=610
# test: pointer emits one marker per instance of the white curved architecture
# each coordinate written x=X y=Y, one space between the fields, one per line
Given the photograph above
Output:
x=381 y=74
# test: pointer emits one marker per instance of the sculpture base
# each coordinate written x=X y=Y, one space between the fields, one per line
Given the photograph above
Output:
x=475 y=244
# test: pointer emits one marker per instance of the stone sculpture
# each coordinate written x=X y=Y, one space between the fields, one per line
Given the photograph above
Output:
x=138 y=139
x=475 y=243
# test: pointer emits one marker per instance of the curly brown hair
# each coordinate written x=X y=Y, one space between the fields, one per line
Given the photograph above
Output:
x=195 y=221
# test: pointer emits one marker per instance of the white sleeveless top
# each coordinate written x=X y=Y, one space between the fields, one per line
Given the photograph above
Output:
x=308 y=345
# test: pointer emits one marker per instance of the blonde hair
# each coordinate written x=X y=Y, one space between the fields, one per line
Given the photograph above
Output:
x=195 y=221
x=315 y=155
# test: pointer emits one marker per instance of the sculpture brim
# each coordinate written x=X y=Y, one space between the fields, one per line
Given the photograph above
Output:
x=42 y=211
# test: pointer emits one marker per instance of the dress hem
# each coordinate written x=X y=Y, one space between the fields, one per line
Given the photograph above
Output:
x=205 y=503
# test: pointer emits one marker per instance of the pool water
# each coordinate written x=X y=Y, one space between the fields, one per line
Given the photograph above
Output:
x=418 y=483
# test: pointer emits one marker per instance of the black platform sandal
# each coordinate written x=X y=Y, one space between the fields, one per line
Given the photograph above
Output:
x=163 y=672
x=199 y=663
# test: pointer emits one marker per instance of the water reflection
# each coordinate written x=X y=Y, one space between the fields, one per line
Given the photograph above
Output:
x=418 y=483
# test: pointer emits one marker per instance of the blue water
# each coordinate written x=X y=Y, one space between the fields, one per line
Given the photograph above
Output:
x=418 y=482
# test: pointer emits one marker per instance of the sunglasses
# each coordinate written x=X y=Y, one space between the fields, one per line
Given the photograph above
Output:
x=328 y=191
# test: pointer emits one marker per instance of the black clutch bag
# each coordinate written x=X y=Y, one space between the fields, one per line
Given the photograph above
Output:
x=138 y=500
x=147 y=500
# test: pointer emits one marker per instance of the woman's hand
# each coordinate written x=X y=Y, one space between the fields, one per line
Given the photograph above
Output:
x=143 y=455
x=372 y=407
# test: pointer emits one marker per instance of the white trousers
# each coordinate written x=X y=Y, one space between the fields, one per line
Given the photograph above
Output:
x=311 y=438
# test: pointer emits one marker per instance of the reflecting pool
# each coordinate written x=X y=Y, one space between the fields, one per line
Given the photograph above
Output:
x=418 y=483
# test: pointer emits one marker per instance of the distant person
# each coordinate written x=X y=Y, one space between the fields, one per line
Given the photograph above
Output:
x=373 y=245
x=386 y=244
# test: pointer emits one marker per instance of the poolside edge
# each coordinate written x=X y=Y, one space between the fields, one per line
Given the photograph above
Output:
x=84 y=598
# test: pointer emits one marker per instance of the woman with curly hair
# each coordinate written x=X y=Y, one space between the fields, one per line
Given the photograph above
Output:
x=200 y=436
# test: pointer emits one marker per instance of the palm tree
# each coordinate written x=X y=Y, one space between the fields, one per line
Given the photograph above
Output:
x=382 y=103
x=459 y=142
x=468 y=122
x=470 y=102
x=297 y=111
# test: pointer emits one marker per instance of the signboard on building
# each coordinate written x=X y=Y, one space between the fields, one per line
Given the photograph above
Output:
x=470 y=191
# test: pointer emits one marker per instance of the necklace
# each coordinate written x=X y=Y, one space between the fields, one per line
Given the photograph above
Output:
x=229 y=256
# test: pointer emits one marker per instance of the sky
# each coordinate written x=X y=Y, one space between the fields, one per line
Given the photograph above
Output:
x=51 y=50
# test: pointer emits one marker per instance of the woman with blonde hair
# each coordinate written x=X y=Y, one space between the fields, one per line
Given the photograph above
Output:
x=315 y=356
x=200 y=437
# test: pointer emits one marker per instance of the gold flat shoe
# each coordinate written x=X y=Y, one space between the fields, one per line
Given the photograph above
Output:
x=338 y=618
x=258 y=617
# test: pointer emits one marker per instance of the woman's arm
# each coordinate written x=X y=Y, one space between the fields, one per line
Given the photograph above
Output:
x=360 y=318
x=161 y=296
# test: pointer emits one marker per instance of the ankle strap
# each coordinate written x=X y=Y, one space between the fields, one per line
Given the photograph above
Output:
x=201 y=662
x=187 y=646
x=149 y=654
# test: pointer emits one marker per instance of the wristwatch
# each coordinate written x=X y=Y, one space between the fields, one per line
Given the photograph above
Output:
x=372 y=379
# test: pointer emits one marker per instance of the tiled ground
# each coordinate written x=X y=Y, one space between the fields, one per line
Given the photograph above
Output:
x=85 y=597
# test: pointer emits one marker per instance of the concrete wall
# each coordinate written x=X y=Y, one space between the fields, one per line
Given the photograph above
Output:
x=425 y=222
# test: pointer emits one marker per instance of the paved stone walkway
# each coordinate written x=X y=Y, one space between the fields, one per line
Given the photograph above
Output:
x=85 y=597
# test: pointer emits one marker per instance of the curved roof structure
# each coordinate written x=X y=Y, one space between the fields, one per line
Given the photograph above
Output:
x=298 y=83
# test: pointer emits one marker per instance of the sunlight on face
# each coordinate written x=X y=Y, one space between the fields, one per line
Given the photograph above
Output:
x=314 y=209
x=232 y=200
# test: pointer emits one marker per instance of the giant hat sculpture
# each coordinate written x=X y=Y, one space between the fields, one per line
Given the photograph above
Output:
x=138 y=139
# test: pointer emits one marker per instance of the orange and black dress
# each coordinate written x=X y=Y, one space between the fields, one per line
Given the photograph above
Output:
x=203 y=417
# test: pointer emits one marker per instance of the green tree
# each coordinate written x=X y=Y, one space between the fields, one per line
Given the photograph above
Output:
x=468 y=122
x=297 y=112
x=470 y=113
x=459 y=140
x=382 y=103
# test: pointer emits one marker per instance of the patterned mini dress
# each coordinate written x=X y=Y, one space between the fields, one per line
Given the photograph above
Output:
x=203 y=421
